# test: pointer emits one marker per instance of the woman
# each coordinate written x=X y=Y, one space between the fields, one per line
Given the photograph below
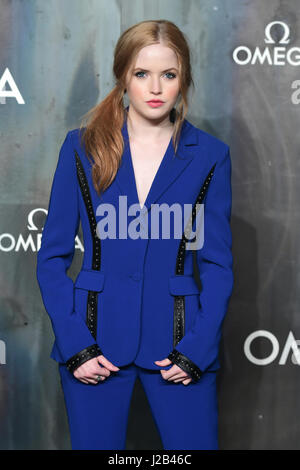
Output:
x=135 y=309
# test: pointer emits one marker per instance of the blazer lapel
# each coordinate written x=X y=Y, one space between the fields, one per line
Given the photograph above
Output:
x=170 y=168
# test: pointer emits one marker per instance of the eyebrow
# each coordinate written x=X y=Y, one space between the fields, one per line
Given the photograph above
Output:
x=145 y=70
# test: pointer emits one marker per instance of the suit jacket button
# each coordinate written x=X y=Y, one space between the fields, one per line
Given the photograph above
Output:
x=136 y=276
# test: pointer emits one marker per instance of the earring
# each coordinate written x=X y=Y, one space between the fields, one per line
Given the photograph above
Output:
x=172 y=115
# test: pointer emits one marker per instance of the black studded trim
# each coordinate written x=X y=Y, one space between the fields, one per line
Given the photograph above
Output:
x=92 y=300
x=96 y=261
x=83 y=356
x=179 y=300
x=91 y=312
x=185 y=364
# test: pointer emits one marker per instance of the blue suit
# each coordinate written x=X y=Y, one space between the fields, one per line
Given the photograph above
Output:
x=137 y=300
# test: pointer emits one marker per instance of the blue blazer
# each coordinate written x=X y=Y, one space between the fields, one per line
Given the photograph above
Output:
x=138 y=299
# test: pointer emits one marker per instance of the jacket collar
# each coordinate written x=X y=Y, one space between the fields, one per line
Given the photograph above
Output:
x=170 y=168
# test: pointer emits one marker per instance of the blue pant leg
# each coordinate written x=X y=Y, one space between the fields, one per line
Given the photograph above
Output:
x=98 y=413
x=186 y=416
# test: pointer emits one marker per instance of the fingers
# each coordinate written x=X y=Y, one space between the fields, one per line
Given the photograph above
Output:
x=83 y=381
x=176 y=374
x=107 y=364
x=89 y=371
x=100 y=366
x=187 y=381
x=90 y=378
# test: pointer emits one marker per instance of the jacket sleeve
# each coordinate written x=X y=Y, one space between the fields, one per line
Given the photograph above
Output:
x=198 y=348
x=74 y=339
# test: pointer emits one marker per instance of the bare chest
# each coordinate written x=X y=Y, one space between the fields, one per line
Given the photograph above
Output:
x=146 y=161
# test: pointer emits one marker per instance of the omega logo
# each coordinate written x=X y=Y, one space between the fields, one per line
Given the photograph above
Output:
x=291 y=345
x=286 y=33
x=32 y=241
x=277 y=55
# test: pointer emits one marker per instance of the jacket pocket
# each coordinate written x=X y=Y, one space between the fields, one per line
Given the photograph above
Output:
x=185 y=291
x=89 y=279
x=88 y=285
x=183 y=284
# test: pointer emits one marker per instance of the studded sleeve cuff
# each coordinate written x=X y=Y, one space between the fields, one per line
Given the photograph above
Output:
x=85 y=355
x=185 y=364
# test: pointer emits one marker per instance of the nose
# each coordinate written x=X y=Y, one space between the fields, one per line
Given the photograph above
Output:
x=155 y=85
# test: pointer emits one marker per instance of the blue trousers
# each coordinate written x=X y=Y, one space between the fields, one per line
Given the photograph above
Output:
x=186 y=416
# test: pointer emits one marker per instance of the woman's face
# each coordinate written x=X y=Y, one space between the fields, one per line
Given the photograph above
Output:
x=154 y=76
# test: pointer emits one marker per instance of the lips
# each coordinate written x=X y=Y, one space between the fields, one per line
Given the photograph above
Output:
x=155 y=103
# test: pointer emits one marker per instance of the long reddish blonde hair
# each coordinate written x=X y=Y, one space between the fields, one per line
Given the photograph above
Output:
x=101 y=126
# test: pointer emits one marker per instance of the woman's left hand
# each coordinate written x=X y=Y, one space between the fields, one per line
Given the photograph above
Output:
x=175 y=373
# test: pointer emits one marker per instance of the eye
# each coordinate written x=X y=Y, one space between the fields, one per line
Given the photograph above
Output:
x=137 y=74
x=173 y=75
